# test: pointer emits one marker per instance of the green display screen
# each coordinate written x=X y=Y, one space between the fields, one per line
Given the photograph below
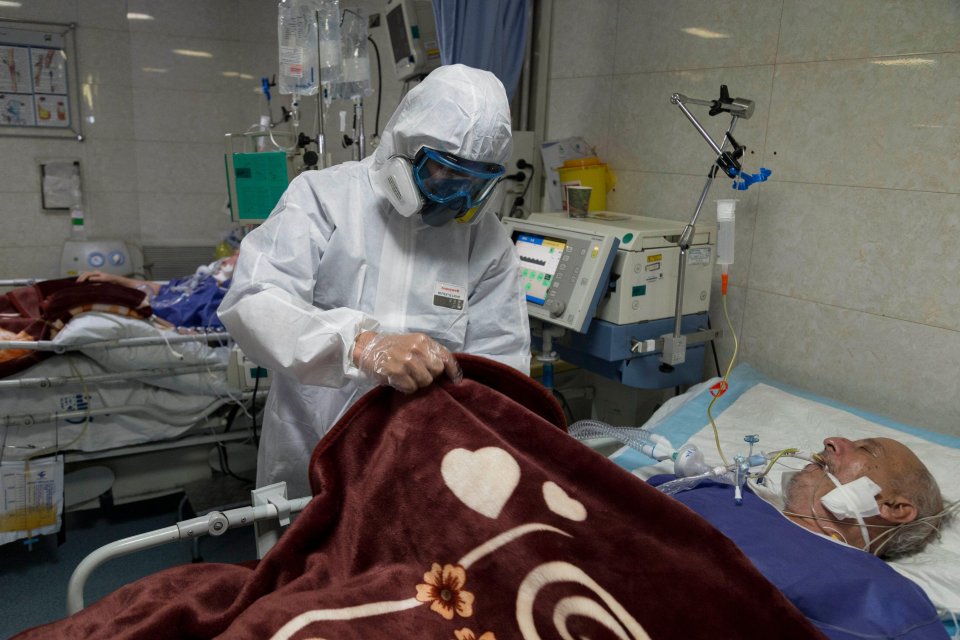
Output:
x=260 y=179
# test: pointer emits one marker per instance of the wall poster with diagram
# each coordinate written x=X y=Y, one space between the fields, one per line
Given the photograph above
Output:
x=38 y=80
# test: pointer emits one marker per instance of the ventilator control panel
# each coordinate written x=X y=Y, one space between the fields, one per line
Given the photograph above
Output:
x=564 y=270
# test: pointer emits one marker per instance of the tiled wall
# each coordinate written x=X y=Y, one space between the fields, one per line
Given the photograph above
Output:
x=846 y=273
x=154 y=122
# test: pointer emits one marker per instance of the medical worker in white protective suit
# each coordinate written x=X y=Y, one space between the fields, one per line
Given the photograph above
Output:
x=375 y=271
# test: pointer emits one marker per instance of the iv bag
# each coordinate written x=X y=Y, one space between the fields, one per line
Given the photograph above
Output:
x=308 y=33
x=355 y=81
x=328 y=33
x=297 y=36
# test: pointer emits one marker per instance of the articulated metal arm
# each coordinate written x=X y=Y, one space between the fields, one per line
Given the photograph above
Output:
x=674 y=345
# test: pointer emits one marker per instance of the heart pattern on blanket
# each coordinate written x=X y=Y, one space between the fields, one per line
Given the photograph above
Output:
x=483 y=479
x=562 y=504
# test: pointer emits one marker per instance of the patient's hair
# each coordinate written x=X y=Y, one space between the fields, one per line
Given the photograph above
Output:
x=921 y=488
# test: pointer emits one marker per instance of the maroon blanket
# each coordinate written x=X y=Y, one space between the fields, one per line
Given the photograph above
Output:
x=463 y=512
x=39 y=312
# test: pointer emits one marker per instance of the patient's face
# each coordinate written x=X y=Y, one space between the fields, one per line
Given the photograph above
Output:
x=882 y=459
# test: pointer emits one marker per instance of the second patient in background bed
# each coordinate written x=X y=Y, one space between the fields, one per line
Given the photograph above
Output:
x=189 y=302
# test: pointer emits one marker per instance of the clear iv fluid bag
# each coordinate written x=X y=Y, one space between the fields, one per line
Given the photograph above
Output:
x=308 y=33
x=355 y=82
x=328 y=35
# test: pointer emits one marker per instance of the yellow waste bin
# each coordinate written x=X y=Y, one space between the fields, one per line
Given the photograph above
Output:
x=587 y=172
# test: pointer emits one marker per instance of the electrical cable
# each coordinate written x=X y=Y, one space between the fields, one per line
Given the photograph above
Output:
x=376 y=123
x=563 y=402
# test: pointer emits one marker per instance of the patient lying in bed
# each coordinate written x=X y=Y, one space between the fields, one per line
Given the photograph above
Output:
x=183 y=302
x=845 y=592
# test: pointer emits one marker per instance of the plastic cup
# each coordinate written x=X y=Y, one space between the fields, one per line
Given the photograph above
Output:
x=578 y=201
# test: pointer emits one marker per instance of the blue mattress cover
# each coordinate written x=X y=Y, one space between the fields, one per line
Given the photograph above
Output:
x=846 y=593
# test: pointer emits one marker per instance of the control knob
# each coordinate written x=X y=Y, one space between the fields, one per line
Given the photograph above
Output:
x=556 y=308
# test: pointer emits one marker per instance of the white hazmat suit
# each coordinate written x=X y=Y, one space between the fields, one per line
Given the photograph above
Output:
x=335 y=259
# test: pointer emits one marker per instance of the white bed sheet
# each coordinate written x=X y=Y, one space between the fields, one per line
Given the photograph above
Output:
x=95 y=326
x=174 y=396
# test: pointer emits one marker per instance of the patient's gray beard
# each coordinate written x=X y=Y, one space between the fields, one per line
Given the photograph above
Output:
x=796 y=491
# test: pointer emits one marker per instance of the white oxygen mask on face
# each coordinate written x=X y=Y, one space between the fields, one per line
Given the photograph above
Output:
x=855 y=499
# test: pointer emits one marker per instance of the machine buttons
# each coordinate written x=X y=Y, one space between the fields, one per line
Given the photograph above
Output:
x=117 y=259
x=96 y=260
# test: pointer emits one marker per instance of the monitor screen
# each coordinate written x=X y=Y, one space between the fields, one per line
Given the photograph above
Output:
x=398 y=34
x=539 y=259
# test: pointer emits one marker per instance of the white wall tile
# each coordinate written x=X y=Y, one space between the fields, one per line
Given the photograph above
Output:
x=208 y=18
x=180 y=167
x=112 y=215
x=62 y=11
x=23 y=174
x=860 y=123
x=97 y=56
x=184 y=219
x=107 y=111
x=736 y=303
x=649 y=133
x=154 y=65
x=903 y=370
x=102 y=14
x=886 y=252
x=109 y=166
x=39 y=263
x=831 y=30
x=580 y=27
x=257 y=20
x=25 y=224
x=579 y=107
x=186 y=116
x=651 y=34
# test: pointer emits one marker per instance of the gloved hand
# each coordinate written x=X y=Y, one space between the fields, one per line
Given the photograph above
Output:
x=405 y=361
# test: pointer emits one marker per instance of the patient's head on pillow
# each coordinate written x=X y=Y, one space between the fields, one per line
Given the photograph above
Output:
x=874 y=494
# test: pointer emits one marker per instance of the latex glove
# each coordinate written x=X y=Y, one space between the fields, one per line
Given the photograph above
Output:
x=405 y=361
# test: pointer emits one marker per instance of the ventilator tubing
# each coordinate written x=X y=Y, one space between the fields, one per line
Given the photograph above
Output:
x=652 y=445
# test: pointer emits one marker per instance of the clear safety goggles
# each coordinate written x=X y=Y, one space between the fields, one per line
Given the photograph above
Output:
x=443 y=177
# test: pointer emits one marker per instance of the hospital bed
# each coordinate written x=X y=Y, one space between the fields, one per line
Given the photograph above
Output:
x=126 y=404
x=782 y=416
x=514 y=493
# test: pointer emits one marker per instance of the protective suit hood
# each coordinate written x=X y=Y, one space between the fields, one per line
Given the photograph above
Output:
x=457 y=109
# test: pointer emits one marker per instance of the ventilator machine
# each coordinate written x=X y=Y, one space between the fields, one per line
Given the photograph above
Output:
x=626 y=296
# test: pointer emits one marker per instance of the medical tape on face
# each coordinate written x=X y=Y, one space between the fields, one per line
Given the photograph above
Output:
x=854 y=499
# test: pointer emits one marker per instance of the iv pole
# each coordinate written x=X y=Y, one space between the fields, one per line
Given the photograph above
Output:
x=674 y=346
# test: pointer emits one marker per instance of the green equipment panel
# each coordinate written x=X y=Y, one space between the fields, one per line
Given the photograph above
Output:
x=255 y=182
